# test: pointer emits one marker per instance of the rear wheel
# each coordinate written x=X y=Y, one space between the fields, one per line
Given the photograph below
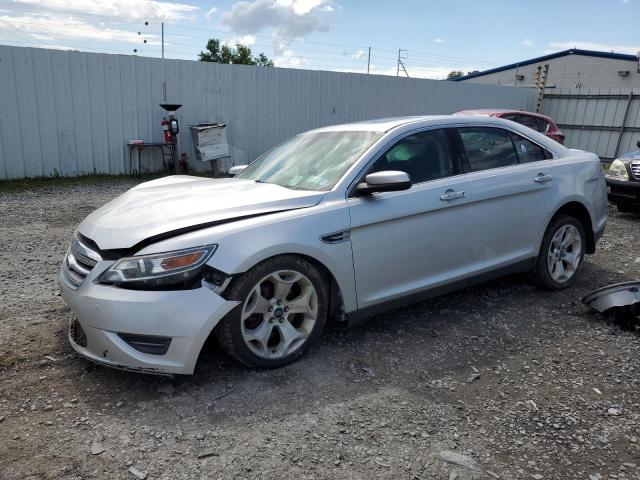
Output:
x=282 y=312
x=561 y=253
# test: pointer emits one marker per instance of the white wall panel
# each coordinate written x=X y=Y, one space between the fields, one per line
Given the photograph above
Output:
x=71 y=113
x=578 y=116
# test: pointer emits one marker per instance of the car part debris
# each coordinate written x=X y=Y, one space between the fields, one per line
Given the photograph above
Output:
x=620 y=303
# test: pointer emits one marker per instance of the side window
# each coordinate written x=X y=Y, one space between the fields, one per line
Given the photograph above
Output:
x=488 y=148
x=424 y=156
x=528 y=151
x=544 y=126
x=528 y=121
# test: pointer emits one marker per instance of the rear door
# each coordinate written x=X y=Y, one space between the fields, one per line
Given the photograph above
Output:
x=513 y=193
x=408 y=241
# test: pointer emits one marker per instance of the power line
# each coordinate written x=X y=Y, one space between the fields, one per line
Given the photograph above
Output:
x=377 y=59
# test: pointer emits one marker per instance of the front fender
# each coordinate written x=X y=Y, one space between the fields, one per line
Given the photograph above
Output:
x=244 y=244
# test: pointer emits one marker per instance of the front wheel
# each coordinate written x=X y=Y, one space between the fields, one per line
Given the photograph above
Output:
x=282 y=311
x=561 y=253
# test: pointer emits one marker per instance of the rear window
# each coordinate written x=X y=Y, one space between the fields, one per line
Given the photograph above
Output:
x=544 y=125
x=527 y=151
x=528 y=121
x=488 y=148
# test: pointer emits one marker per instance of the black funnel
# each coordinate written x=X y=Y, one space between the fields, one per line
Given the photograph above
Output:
x=170 y=107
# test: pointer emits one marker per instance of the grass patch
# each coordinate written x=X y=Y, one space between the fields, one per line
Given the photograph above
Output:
x=24 y=184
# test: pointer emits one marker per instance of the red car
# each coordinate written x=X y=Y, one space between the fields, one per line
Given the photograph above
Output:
x=540 y=123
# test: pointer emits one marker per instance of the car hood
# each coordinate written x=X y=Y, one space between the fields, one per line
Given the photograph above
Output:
x=627 y=157
x=181 y=203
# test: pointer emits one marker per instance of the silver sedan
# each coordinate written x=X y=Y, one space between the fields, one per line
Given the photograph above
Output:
x=344 y=221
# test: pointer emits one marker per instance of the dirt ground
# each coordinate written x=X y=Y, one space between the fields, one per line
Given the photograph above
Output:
x=498 y=381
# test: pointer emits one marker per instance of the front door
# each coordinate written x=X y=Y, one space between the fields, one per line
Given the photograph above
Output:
x=409 y=241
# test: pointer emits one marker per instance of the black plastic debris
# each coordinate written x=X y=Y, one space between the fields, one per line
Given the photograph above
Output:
x=619 y=303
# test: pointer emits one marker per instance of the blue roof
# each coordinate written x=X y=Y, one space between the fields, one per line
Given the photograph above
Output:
x=571 y=51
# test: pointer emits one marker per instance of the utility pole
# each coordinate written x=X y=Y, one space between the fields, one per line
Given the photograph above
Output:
x=163 y=40
x=401 y=63
x=369 y=61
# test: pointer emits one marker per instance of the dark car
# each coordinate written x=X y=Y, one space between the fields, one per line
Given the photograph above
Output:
x=536 y=121
x=623 y=181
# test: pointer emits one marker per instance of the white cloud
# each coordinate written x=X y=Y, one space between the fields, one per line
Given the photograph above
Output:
x=128 y=10
x=289 y=59
x=50 y=26
x=247 y=40
x=358 y=55
x=301 y=7
x=210 y=13
x=432 y=73
x=527 y=42
x=602 y=47
x=290 y=19
x=438 y=40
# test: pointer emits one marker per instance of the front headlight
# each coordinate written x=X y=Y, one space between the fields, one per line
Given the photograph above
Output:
x=617 y=171
x=161 y=270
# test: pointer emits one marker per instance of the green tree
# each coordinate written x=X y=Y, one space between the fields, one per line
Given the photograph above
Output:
x=455 y=74
x=239 y=55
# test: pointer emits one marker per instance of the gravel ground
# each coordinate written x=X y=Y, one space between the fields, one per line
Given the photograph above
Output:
x=498 y=381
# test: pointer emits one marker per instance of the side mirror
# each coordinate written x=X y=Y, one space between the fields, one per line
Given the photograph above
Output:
x=236 y=169
x=386 y=181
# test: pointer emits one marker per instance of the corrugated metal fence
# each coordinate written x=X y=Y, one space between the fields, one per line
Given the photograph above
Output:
x=605 y=120
x=71 y=113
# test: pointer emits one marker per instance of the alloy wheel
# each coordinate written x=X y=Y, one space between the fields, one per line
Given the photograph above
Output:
x=279 y=314
x=565 y=253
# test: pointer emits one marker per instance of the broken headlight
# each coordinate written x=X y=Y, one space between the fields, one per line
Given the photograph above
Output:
x=177 y=269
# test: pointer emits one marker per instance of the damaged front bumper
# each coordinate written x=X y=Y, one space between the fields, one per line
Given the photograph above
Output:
x=158 y=332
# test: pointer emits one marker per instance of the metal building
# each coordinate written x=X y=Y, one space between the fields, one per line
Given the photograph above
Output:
x=572 y=68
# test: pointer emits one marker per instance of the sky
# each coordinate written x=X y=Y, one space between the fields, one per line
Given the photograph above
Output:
x=436 y=36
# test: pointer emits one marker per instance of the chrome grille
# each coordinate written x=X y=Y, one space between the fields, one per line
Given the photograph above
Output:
x=635 y=170
x=79 y=262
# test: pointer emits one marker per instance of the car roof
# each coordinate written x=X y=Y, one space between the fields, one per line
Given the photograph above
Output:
x=499 y=111
x=384 y=125
x=379 y=124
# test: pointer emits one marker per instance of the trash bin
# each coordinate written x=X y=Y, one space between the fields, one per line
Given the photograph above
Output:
x=210 y=145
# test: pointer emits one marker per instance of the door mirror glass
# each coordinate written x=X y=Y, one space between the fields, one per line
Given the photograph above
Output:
x=385 y=181
x=236 y=169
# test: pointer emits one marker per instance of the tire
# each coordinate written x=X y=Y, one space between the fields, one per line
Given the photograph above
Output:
x=551 y=277
x=247 y=332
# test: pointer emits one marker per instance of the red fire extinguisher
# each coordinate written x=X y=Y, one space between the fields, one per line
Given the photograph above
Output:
x=168 y=136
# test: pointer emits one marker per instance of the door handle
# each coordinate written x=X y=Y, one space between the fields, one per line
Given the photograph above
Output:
x=451 y=195
x=542 y=178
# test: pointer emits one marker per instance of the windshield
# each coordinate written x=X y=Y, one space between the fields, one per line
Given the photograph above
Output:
x=311 y=161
